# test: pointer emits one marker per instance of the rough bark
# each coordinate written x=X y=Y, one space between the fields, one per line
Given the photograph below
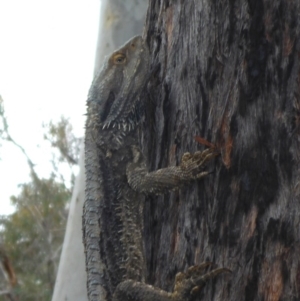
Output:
x=227 y=71
x=118 y=22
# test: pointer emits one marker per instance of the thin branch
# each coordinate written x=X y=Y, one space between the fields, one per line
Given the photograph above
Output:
x=9 y=138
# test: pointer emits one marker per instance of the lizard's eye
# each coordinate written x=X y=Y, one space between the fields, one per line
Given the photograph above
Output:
x=119 y=59
x=132 y=45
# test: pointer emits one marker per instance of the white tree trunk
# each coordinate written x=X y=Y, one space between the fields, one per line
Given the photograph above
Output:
x=119 y=20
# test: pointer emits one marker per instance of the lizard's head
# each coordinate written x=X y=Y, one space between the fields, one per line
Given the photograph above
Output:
x=115 y=92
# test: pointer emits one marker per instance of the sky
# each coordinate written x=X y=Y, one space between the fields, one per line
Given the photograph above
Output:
x=47 y=52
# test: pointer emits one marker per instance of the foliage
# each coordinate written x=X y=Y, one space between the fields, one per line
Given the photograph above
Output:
x=61 y=137
x=66 y=148
x=32 y=237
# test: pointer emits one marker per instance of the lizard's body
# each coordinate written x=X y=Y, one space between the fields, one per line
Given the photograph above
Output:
x=117 y=178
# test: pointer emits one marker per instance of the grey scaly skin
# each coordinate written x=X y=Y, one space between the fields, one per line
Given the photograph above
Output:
x=116 y=180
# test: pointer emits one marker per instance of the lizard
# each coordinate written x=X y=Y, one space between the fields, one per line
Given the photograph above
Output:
x=117 y=178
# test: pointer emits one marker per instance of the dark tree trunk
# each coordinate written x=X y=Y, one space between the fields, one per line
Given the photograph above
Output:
x=227 y=71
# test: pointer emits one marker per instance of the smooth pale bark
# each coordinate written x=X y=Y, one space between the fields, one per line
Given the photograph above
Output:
x=70 y=283
x=227 y=71
x=119 y=21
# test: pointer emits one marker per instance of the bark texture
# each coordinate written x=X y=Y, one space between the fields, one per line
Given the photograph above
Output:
x=227 y=71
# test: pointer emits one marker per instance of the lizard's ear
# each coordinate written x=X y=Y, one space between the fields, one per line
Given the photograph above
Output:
x=133 y=45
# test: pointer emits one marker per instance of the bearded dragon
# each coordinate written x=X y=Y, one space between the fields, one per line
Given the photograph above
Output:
x=117 y=178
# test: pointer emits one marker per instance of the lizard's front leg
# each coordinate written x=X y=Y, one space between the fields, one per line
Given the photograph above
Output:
x=190 y=168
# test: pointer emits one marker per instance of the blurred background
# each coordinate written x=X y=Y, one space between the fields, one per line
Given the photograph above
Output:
x=47 y=54
x=47 y=58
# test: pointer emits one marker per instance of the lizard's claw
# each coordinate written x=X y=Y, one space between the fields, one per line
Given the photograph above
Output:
x=190 y=282
x=194 y=163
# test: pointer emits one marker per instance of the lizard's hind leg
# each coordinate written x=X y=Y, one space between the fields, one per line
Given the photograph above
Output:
x=186 y=285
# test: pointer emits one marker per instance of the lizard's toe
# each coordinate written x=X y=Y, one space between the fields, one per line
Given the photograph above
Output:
x=190 y=282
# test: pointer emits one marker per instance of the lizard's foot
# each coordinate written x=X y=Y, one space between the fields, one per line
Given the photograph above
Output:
x=189 y=283
x=193 y=163
x=186 y=285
